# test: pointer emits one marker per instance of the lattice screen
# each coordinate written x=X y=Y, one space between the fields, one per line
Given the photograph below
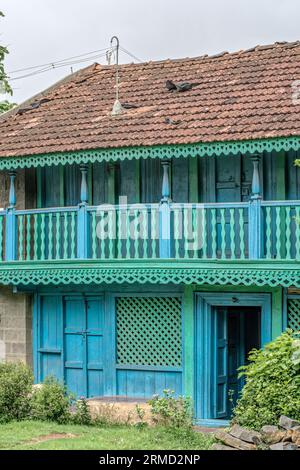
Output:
x=149 y=331
x=294 y=314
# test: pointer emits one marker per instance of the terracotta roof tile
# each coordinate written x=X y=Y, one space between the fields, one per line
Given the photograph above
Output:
x=239 y=96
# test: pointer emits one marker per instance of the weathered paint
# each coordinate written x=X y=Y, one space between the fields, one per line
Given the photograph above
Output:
x=276 y=323
x=75 y=340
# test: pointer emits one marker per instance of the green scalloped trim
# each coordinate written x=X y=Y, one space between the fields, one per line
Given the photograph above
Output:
x=157 y=151
x=216 y=274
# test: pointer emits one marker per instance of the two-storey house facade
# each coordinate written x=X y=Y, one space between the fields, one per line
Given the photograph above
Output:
x=152 y=248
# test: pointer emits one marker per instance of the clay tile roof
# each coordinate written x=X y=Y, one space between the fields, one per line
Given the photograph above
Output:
x=239 y=96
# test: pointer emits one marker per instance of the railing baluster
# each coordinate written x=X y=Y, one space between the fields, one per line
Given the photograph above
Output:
x=186 y=232
x=73 y=226
x=120 y=230
x=268 y=232
x=153 y=232
x=195 y=231
x=28 y=236
x=50 y=236
x=65 y=235
x=128 y=239
x=144 y=212
x=94 y=236
x=136 y=237
x=102 y=251
x=43 y=235
x=57 y=234
x=21 y=236
x=278 y=233
x=176 y=232
x=111 y=234
x=35 y=236
x=204 y=233
x=223 y=234
x=213 y=234
x=232 y=233
x=242 y=233
x=288 y=232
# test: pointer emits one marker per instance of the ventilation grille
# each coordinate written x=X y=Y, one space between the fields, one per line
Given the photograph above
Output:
x=294 y=314
x=149 y=331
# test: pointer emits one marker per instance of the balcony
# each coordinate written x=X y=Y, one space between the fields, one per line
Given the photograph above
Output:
x=257 y=229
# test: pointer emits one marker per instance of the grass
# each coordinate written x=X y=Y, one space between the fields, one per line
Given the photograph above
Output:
x=36 y=435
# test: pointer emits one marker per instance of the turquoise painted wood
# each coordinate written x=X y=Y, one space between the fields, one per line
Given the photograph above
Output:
x=75 y=340
x=200 y=231
x=220 y=335
x=70 y=342
x=213 y=363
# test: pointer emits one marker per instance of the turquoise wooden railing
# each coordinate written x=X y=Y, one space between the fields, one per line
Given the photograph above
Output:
x=124 y=232
x=281 y=229
x=46 y=234
x=195 y=231
x=210 y=231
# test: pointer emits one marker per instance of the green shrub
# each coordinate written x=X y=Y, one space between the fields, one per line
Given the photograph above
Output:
x=16 y=382
x=272 y=384
x=51 y=402
x=171 y=411
x=82 y=413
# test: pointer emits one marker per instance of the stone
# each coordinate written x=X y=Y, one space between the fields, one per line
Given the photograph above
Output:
x=288 y=436
x=231 y=441
x=244 y=434
x=295 y=434
x=288 y=423
x=272 y=434
x=221 y=447
x=284 y=446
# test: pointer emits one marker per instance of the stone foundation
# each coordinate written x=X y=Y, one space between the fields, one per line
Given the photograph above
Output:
x=15 y=326
x=120 y=411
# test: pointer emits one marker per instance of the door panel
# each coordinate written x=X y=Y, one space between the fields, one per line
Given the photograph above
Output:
x=94 y=346
x=221 y=363
x=74 y=327
x=235 y=353
x=50 y=340
x=71 y=342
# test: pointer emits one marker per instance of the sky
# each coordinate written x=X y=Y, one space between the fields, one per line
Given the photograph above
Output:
x=39 y=32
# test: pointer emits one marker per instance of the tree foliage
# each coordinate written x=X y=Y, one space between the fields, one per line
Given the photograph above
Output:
x=5 y=87
x=272 y=383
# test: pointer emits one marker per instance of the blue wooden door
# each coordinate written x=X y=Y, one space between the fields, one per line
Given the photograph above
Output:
x=70 y=342
x=83 y=332
x=221 y=363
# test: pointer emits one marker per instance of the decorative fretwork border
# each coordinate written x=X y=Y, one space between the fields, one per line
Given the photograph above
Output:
x=156 y=151
x=215 y=273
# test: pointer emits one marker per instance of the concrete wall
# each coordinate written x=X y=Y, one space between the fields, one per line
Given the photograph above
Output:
x=16 y=309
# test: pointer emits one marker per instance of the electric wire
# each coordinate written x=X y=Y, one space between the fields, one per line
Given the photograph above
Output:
x=87 y=57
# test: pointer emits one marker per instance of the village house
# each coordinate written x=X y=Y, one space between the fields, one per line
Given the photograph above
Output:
x=151 y=243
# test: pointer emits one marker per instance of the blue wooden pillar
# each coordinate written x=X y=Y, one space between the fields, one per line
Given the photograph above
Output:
x=82 y=222
x=255 y=214
x=165 y=214
x=11 y=223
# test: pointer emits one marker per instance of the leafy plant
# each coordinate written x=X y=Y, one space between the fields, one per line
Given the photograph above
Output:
x=82 y=413
x=272 y=383
x=51 y=402
x=16 y=382
x=171 y=411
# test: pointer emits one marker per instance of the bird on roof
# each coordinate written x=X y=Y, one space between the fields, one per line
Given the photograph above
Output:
x=181 y=86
